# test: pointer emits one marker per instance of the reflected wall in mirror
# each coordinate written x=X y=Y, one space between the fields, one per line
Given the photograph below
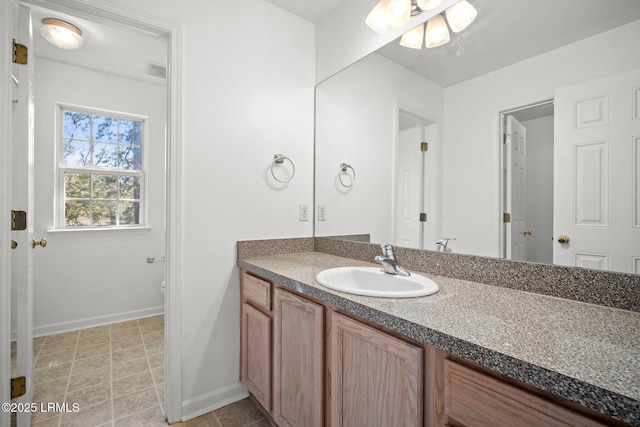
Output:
x=582 y=170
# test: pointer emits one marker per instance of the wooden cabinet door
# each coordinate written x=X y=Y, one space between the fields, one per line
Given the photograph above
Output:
x=376 y=379
x=298 y=374
x=255 y=356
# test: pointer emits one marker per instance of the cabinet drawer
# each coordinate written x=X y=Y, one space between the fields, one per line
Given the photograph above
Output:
x=256 y=290
x=476 y=399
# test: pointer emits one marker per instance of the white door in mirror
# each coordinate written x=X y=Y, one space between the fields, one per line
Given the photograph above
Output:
x=370 y=281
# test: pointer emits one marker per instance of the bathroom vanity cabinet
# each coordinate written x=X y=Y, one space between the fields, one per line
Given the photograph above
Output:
x=298 y=361
x=310 y=364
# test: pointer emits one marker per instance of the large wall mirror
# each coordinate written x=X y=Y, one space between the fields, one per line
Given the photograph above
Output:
x=520 y=138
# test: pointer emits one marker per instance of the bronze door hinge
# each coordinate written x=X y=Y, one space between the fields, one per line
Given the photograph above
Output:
x=18 y=387
x=20 y=53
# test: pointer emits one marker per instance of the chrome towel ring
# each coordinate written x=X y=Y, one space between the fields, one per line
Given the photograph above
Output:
x=343 y=170
x=278 y=159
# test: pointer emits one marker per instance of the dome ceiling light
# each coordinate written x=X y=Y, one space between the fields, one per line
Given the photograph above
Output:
x=61 y=34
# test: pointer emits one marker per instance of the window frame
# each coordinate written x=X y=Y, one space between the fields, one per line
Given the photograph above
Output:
x=61 y=169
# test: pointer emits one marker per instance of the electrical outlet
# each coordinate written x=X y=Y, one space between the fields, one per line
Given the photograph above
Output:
x=304 y=212
x=322 y=212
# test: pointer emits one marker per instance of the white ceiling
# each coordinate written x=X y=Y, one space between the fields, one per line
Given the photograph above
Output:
x=311 y=10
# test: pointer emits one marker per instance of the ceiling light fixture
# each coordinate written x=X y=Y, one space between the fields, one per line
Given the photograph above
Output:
x=61 y=34
x=396 y=13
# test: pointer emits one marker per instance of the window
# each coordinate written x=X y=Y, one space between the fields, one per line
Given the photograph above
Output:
x=101 y=169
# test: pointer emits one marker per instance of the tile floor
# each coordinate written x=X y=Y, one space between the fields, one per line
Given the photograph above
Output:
x=115 y=374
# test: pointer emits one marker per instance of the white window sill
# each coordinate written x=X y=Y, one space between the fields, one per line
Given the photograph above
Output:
x=98 y=231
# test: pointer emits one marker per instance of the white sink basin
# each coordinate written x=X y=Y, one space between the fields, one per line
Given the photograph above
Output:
x=371 y=281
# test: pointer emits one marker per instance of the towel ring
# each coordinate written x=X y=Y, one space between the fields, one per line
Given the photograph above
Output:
x=279 y=159
x=343 y=169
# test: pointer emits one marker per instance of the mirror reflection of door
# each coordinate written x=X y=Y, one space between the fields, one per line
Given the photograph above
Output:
x=528 y=182
x=597 y=157
x=410 y=184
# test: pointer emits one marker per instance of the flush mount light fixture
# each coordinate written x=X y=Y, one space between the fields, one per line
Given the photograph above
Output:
x=61 y=34
x=396 y=13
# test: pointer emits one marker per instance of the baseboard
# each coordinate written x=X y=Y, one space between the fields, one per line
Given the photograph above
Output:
x=91 y=322
x=216 y=399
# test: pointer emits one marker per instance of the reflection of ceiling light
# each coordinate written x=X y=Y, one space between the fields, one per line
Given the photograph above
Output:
x=397 y=13
x=61 y=34
x=460 y=15
x=437 y=32
x=413 y=38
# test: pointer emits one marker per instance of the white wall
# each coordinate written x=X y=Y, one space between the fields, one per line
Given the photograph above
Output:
x=539 y=189
x=472 y=157
x=248 y=80
x=84 y=278
x=356 y=123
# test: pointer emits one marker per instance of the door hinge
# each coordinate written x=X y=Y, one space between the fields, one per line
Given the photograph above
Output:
x=18 y=386
x=424 y=146
x=504 y=138
x=506 y=217
x=423 y=217
x=18 y=220
x=20 y=53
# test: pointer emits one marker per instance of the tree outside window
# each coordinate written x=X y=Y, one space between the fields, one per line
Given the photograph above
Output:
x=101 y=169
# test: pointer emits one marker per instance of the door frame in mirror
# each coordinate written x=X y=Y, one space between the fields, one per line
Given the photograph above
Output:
x=502 y=162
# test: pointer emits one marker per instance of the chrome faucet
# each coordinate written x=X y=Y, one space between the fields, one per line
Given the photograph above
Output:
x=389 y=262
x=441 y=245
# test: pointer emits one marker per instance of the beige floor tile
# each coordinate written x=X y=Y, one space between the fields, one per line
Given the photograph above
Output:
x=84 y=352
x=62 y=338
x=37 y=344
x=92 y=340
x=152 y=337
x=49 y=422
x=127 y=385
x=51 y=373
x=58 y=347
x=125 y=326
x=44 y=412
x=50 y=389
x=151 y=417
x=129 y=404
x=125 y=334
x=128 y=354
x=89 y=378
x=125 y=343
x=155 y=348
x=53 y=359
x=91 y=363
x=91 y=416
x=156 y=360
x=239 y=414
x=158 y=374
x=131 y=367
x=91 y=395
x=206 y=420
x=151 y=321
x=161 y=392
x=97 y=331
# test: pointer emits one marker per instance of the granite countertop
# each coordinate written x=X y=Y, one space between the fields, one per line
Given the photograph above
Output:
x=586 y=353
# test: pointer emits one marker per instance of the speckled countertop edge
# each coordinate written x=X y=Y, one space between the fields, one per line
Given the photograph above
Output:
x=282 y=269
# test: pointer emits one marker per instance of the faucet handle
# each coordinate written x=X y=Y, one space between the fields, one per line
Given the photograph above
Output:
x=387 y=250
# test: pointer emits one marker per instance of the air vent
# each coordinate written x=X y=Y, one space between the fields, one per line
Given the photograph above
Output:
x=156 y=69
